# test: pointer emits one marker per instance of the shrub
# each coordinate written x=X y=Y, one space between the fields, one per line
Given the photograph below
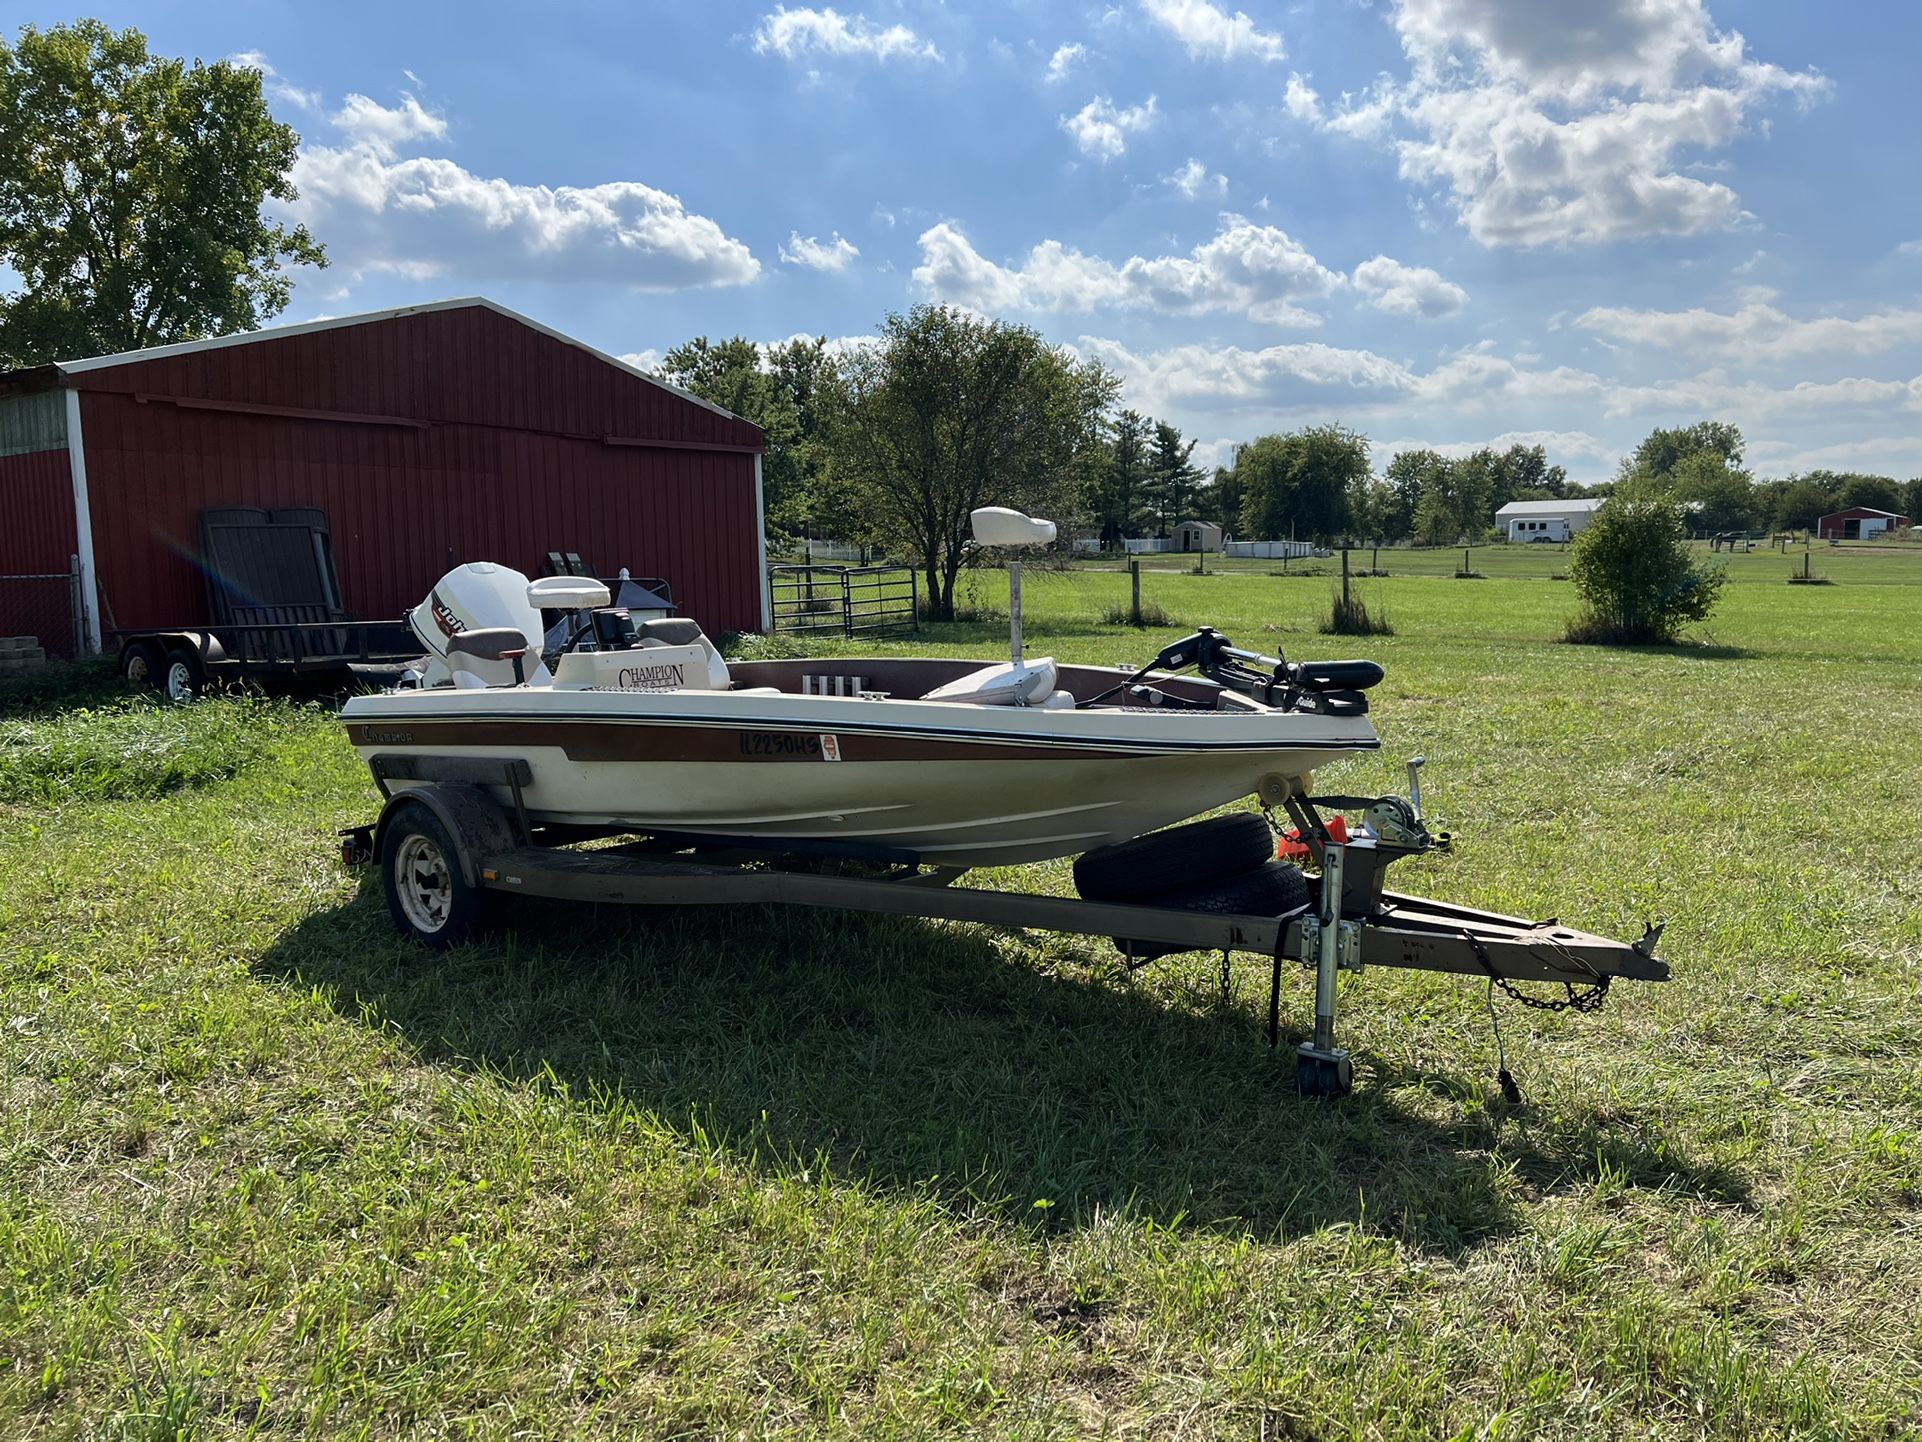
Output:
x=1638 y=580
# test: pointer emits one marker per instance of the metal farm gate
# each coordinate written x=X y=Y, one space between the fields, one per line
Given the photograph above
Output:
x=844 y=600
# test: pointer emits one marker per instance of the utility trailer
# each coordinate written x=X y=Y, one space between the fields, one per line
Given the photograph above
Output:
x=448 y=846
x=184 y=661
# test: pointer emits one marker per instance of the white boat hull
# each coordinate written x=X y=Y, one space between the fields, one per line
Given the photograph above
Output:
x=950 y=784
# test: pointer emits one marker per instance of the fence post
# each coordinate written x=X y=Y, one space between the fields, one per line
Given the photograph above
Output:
x=847 y=603
x=1134 y=606
x=1344 y=578
x=76 y=603
x=914 y=597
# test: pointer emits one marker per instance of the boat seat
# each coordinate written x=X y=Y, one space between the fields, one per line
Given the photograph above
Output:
x=1335 y=675
x=485 y=657
x=1007 y=684
x=679 y=631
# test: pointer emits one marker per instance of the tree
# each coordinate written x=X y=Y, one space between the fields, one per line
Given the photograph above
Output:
x=131 y=189
x=1407 y=477
x=1299 y=484
x=1723 y=498
x=1172 y=476
x=1800 y=505
x=1638 y=580
x=1123 y=480
x=1454 y=499
x=952 y=411
x=1656 y=458
x=787 y=391
x=1878 y=493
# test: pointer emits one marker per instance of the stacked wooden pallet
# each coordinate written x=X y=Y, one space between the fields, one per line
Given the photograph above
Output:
x=18 y=653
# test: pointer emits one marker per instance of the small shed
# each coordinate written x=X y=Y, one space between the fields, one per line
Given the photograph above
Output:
x=427 y=435
x=1197 y=536
x=1858 y=523
x=1546 y=520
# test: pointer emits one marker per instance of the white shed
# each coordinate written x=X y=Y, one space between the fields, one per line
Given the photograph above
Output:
x=1545 y=520
x=1197 y=536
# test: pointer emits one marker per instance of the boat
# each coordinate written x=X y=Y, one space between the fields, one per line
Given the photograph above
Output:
x=599 y=722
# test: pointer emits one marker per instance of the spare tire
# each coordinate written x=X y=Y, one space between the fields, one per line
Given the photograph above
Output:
x=1174 y=860
x=1268 y=890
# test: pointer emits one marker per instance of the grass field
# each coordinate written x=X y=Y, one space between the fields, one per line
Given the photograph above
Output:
x=270 y=1173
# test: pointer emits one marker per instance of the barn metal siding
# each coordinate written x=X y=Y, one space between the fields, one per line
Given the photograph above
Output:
x=402 y=503
x=36 y=515
x=505 y=457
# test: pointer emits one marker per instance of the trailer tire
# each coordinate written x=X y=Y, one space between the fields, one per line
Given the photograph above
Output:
x=140 y=664
x=429 y=899
x=185 y=678
x=1271 y=889
x=1166 y=862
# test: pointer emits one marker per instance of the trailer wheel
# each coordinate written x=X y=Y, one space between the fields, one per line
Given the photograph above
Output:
x=1271 y=889
x=427 y=897
x=184 y=677
x=1166 y=862
x=140 y=664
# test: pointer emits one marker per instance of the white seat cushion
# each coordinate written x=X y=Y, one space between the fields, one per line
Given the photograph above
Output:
x=1004 y=685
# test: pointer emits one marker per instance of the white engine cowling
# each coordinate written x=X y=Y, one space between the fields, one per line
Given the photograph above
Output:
x=478 y=596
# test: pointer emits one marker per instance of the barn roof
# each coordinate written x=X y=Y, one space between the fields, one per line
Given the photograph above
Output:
x=1550 y=508
x=39 y=377
x=1848 y=511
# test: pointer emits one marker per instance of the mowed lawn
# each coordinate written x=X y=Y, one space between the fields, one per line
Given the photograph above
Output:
x=265 y=1171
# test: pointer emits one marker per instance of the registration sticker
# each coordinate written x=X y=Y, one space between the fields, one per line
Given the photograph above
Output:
x=830 y=748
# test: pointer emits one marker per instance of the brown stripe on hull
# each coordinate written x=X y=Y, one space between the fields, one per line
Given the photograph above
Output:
x=626 y=741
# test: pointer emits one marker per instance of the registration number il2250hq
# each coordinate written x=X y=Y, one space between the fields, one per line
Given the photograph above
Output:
x=790 y=745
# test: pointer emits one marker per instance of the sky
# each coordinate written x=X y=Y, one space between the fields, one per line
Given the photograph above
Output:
x=1439 y=222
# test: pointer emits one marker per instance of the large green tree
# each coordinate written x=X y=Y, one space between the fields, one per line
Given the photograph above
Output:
x=787 y=390
x=1173 y=477
x=1122 y=480
x=952 y=411
x=1652 y=462
x=131 y=188
x=1301 y=484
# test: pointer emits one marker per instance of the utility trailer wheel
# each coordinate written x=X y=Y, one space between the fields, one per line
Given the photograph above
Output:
x=1321 y=1075
x=427 y=897
x=1166 y=862
x=140 y=664
x=184 y=677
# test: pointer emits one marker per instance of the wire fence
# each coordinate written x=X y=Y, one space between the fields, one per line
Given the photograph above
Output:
x=40 y=616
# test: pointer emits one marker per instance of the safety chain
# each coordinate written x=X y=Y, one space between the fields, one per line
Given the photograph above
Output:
x=1585 y=1002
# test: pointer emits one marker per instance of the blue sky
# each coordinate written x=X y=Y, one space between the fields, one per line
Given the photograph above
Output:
x=1439 y=221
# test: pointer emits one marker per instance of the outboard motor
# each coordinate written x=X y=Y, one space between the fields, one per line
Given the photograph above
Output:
x=479 y=596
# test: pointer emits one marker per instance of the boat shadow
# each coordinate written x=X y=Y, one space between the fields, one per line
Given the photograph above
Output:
x=933 y=1058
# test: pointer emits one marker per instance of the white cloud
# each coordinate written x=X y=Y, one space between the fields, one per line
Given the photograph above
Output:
x=1232 y=379
x=1064 y=59
x=1100 y=130
x=1193 y=179
x=1209 y=32
x=385 y=130
x=1909 y=247
x=1300 y=101
x=424 y=216
x=1565 y=124
x=798 y=34
x=1247 y=269
x=1754 y=332
x=1562 y=446
x=1410 y=290
x=804 y=250
x=274 y=83
x=645 y=360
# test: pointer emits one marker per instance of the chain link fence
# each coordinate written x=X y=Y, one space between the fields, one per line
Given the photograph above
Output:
x=40 y=617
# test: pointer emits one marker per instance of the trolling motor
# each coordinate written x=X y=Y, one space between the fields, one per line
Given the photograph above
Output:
x=1332 y=688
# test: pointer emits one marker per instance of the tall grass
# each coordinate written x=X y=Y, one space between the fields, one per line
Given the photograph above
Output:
x=130 y=749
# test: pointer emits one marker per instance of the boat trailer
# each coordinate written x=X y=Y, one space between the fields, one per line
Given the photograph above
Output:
x=1349 y=922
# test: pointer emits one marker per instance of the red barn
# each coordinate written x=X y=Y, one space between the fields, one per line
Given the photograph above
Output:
x=1858 y=523
x=457 y=431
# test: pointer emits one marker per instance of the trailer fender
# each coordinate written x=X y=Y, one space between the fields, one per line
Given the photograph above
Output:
x=477 y=825
x=203 y=644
